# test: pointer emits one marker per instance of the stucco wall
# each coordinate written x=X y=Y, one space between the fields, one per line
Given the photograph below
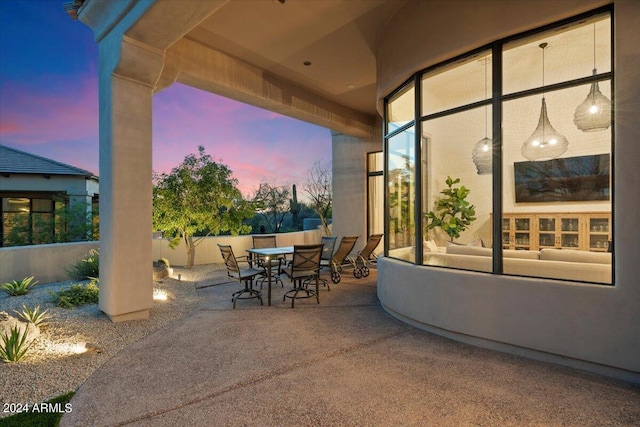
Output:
x=595 y=324
x=349 y=158
x=70 y=184
x=208 y=253
x=46 y=263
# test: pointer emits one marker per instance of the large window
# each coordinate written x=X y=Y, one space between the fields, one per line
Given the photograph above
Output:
x=27 y=220
x=515 y=149
x=41 y=218
x=375 y=193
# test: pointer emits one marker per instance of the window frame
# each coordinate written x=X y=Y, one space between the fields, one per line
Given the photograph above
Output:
x=496 y=102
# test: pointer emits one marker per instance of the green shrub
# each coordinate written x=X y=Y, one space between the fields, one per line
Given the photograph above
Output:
x=19 y=287
x=77 y=295
x=34 y=315
x=164 y=261
x=86 y=268
x=14 y=345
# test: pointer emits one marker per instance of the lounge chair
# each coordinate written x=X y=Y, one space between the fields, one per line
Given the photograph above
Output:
x=341 y=259
x=366 y=256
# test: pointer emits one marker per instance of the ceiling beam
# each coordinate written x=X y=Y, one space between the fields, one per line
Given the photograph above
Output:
x=196 y=65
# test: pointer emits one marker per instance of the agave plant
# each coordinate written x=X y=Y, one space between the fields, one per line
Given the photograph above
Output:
x=86 y=268
x=14 y=345
x=34 y=315
x=19 y=287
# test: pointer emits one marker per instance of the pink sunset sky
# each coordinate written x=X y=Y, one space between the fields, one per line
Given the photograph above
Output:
x=49 y=107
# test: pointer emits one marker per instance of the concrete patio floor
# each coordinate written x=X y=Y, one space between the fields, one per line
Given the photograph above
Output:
x=344 y=362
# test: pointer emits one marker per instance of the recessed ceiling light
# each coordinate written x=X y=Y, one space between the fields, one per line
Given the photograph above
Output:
x=306 y=63
x=279 y=1
x=351 y=86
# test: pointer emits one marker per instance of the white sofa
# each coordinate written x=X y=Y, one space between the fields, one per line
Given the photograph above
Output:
x=564 y=264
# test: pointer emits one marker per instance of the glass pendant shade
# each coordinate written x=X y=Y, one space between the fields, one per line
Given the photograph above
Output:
x=594 y=113
x=481 y=154
x=545 y=142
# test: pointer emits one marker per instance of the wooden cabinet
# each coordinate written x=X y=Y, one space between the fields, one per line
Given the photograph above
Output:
x=586 y=231
x=517 y=231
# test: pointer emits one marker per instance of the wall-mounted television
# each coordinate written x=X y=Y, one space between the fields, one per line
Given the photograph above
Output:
x=570 y=179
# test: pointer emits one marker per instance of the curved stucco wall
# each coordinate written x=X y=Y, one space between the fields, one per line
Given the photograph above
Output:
x=591 y=323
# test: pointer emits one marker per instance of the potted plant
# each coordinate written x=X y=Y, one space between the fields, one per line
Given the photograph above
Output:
x=453 y=213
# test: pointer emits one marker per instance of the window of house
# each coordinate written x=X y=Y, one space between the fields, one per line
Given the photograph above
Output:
x=15 y=220
x=457 y=159
x=375 y=193
x=28 y=221
x=547 y=96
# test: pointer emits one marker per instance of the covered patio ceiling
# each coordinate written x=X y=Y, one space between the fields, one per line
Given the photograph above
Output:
x=312 y=60
x=337 y=37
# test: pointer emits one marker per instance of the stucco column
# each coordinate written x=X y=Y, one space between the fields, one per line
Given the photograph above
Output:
x=126 y=285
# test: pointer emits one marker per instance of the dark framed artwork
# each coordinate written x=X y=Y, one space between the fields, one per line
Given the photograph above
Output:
x=570 y=179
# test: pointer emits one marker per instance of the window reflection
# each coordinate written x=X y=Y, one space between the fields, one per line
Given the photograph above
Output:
x=401 y=189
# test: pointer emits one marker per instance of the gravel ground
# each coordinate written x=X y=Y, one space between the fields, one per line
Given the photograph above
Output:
x=52 y=368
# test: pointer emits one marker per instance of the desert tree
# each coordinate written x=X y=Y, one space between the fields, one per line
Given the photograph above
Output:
x=319 y=191
x=197 y=199
x=272 y=202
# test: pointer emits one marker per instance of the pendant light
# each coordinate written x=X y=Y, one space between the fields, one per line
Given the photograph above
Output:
x=595 y=111
x=482 y=151
x=545 y=142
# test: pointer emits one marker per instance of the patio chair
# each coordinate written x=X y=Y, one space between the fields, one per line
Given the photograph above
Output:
x=260 y=242
x=240 y=274
x=341 y=260
x=328 y=245
x=366 y=256
x=304 y=266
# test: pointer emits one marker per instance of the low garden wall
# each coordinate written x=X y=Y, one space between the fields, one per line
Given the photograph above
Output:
x=207 y=251
x=47 y=263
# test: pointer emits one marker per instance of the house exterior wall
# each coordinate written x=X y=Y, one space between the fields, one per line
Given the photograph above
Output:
x=79 y=190
x=349 y=168
x=72 y=185
x=587 y=326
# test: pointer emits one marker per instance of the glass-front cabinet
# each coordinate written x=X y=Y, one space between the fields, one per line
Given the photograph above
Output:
x=535 y=231
x=516 y=232
x=570 y=233
x=559 y=231
x=599 y=232
x=547 y=232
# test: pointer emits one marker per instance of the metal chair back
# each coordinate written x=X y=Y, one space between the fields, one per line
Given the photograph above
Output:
x=328 y=245
x=306 y=261
x=260 y=242
x=229 y=260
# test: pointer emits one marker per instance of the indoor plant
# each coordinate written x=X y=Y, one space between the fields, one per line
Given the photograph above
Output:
x=453 y=213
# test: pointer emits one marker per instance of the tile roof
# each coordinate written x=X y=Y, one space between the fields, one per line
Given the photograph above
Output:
x=19 y=162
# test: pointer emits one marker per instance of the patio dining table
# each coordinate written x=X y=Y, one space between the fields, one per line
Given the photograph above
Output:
x=270 y=253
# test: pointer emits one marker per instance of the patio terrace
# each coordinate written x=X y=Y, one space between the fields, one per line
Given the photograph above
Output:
x=343 y=362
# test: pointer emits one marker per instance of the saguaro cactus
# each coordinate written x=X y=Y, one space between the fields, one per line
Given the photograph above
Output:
x=294 y=208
